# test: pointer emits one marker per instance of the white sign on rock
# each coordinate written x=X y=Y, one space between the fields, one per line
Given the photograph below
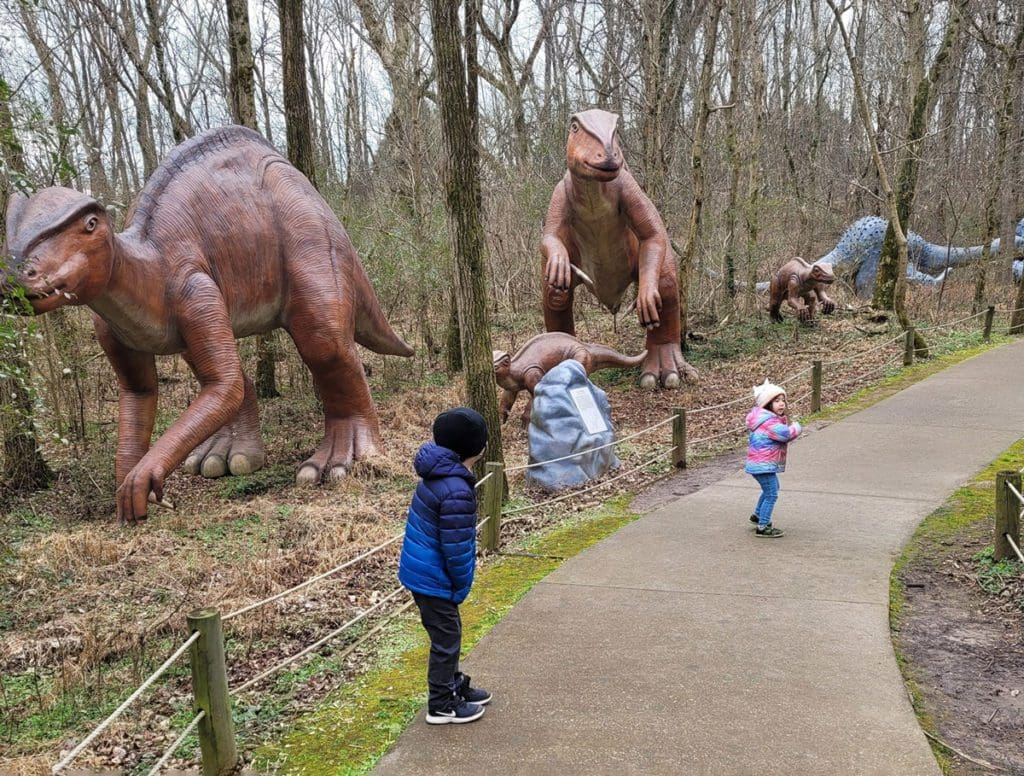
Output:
x=589 y=413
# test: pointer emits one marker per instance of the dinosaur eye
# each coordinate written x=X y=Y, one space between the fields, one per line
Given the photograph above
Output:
x=574 y=126
x=91 y=222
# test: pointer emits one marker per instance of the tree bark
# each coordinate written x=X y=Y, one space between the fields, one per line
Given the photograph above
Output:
x=24 y=468
x=298 y=122
x=889 y=193
x=241 y=81
x=697 y=168
x=463 y=204
x=890 y=267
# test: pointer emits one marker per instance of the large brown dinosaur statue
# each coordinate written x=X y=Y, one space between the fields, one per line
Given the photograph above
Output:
x=227 y=239
x=802 y=287
x=544 y=352
x=603 y=231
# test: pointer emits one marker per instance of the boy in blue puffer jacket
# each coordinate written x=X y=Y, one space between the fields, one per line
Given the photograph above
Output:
x=439 y=557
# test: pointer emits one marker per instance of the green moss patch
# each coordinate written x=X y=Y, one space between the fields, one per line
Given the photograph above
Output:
x=353 y=728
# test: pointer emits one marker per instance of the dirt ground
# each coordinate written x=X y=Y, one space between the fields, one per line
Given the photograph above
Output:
x=90 y=607
x=965 y=651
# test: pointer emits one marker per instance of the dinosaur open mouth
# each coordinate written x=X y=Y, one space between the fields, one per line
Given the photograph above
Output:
x=56 y=291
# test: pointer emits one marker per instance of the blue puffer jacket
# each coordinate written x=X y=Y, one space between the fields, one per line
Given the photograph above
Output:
x=439 y=549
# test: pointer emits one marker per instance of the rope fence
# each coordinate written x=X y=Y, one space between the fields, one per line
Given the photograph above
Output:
x=212 y=721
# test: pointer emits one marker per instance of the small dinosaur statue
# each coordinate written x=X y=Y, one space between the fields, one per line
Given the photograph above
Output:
x=859 y=250
x=227 y=239
x=603 y=231
x=539 y=355
x=802 y=287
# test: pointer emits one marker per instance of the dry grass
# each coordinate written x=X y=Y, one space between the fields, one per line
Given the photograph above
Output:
x=91 y=607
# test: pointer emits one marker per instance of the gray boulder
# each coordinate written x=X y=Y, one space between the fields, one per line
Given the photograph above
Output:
x=570 y=415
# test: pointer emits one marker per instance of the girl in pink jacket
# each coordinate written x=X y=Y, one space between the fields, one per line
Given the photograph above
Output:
x=770 y=434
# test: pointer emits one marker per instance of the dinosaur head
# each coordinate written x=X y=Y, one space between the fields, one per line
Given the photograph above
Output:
x=592 y=151
x=821 y=272
x=502 y=369
x=60 y=246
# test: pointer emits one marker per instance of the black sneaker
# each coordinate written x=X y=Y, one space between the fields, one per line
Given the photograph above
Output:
x=464 y=712
x=477 y=695
x=769 y=532
x=754 y=519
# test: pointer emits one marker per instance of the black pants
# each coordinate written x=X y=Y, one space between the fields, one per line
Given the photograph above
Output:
x=441 y=619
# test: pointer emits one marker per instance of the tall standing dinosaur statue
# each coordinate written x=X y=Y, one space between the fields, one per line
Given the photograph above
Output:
x=859 y=250
x=227 y=239
x=602 y=231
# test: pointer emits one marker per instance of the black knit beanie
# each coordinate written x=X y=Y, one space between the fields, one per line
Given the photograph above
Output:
x=462 y=430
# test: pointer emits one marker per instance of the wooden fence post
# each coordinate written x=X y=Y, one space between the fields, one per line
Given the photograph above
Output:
x=494 y=491
x=1008 y=508
x=210 y=687
x=990 y=314
x=908 y=347
x=816 y=385
x=679 y=438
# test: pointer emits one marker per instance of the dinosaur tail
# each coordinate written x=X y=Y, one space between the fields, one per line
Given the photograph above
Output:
x=935 y=258
x=372 y=329
x=605 y=357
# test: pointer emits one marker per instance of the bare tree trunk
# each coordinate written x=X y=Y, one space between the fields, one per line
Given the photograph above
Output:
x=1003 y=131
x=456 y=97
x=890 y=266
x=298 y=122
x=697 y=168
x=24 y=467
x=883 y=179
x=241 y=81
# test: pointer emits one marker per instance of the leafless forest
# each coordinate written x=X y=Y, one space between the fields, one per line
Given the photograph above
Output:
x=760 y=129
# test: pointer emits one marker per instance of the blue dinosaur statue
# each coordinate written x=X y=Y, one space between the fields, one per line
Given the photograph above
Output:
x=859 y=249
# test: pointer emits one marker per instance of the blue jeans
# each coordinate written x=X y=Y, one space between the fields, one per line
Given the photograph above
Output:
x=769 y=495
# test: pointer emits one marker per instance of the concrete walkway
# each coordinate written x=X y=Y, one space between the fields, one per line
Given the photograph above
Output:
x=685 y=645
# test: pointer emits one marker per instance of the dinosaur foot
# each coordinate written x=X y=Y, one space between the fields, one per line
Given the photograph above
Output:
x=347 y=440
x=226 y=453
x=666 y=363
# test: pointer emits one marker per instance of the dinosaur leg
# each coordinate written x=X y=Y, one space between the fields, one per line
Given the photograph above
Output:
x=236 y=447
x=665 y=362
x=351 y=430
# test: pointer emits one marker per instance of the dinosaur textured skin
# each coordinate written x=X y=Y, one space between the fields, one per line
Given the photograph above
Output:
x=603 y=231
x=802 y=287
x=544 y=352
x=859 y=250
x=227 y=239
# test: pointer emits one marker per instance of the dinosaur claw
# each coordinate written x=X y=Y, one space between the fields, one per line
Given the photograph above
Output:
x=307 y=475
x=214 y=466
x=648 y=381
x=671 y=380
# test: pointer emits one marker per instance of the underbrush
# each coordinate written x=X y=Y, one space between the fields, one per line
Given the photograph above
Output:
x=92 y=607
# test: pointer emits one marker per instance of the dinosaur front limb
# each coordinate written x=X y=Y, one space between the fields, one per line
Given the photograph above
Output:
x=236 y=448
x=206 y=330
x=795 y=300
x=506 y=402
x=136 y=402
x=828 y=306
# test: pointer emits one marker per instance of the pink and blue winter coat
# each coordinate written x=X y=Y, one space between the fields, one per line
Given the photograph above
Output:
x=439 y=549
x=769 y=437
